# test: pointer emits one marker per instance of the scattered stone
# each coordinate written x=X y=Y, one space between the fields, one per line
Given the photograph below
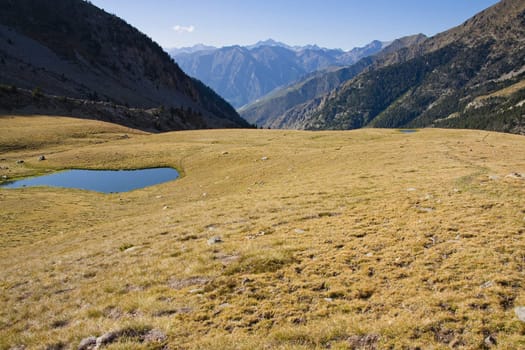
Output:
x=369 y=254
x=494 y=177
x=20 y=161
x=41 y=158
x=487 y=284
x=204 y=194
x=155 y=336
x=87 y=343
x=158 y=197
x=520 y=312
x=411 y=189
x=225 y=153
x=107 y=338
x=130 y=249
x=299 y=231
x=424 y=209
x=264 y=158
x=4 y=177
x=165 y=207
x=329 y=299
x=364 y=342
x=490 y=341
x=179 y=284
x=215 y=240
x=516 y=175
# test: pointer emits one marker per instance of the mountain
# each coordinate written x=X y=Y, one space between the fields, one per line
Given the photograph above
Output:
x=242 y=74
x=190 y=49
x=270 y=110
x=71 y=49
x=471 y=76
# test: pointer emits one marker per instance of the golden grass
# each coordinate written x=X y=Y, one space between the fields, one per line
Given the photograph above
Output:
x=358 y=239
x=505 y=92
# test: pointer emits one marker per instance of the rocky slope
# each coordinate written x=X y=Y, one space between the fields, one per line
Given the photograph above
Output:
x=470 y=76
x=71 y=48
x=242 y=74
x=271 y=110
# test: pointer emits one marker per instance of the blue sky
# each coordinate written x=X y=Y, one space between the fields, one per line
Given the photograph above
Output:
x=329 y=23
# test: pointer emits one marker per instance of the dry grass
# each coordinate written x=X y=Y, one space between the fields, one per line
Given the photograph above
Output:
x=368 y=239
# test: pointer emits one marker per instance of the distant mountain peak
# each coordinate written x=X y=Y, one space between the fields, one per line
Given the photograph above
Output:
x=189 y=49
x=269 y=42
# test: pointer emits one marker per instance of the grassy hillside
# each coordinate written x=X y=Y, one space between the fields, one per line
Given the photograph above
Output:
x=366 y=239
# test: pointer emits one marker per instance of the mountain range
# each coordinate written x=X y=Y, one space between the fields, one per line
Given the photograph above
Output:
x=471 y=76
x=242 y=74
x=271 y=110
x=74 y=59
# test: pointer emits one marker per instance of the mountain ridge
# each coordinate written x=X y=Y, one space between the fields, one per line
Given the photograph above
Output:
x=73 y=49
x=241 y=74
x=270 y=110
x=436 y=82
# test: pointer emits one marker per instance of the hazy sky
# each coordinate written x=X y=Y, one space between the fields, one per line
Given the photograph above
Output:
x=329 y=23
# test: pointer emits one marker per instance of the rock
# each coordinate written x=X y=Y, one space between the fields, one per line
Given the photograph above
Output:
x=155 y=336
x=411 y=189
x=215 y=240
x=264 y=158
x=490 y=341
x=516 y=175
x=520 y=312
x=4 y=177
x=225 y=153
x=493 y=177
x=41 y=158
x=87 y=343
x=298 y=231
x=487 y=284
x=367 y=341
x=20 y=161
x=107 y=338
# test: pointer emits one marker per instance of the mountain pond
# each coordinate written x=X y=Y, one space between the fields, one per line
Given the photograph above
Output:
x=106 y=181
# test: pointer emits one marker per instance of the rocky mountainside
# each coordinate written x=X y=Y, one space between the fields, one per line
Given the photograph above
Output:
x=242 y=74
x=271 y=110
x=72 y=49
x=472 y=76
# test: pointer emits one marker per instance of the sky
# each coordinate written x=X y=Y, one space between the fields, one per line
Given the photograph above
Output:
x=341 y=24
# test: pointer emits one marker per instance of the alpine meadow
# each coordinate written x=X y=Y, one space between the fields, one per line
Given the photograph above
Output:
x=368 y=198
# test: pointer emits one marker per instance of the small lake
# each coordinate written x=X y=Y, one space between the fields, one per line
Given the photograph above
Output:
x=106 y=181
x=407 y=131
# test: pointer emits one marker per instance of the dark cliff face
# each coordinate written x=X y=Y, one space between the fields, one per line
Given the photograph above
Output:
x=471 y=76
x=71 y=48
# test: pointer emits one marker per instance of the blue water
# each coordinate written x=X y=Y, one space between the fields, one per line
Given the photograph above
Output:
x=407 y=131
x=106 y=181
